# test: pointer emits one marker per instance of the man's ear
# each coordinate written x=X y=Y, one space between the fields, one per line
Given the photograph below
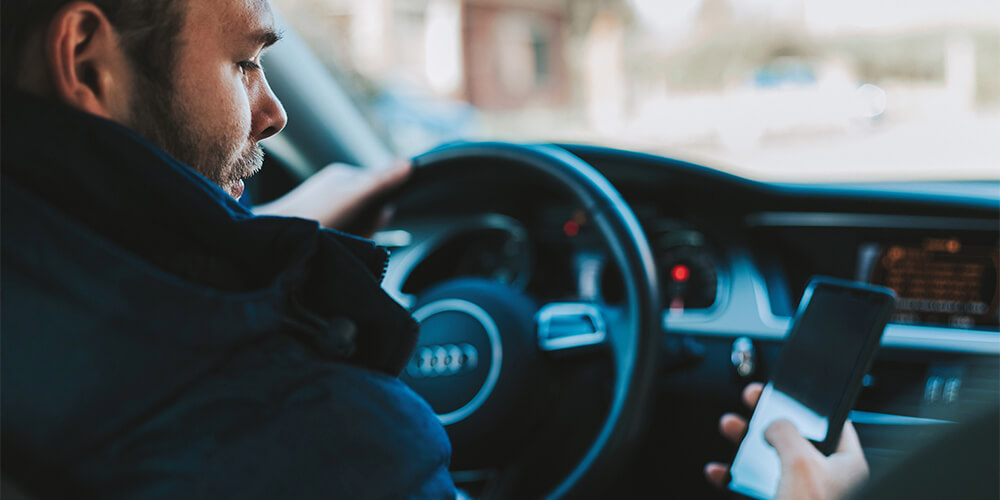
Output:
x=87 y=63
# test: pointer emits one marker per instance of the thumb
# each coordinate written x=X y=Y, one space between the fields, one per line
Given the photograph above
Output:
x=786 y=440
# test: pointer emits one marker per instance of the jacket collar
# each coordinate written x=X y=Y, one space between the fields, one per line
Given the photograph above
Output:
x=114 y=183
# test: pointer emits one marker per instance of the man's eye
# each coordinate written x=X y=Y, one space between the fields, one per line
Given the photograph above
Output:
x=248 y=66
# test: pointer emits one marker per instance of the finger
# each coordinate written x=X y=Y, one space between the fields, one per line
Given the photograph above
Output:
x=339 y=171
x=849 y=442
x=849 y=459
x=378 y=222
x=389 y=177
x=374 y=189
x=364 y=183
x=384 y=217
x=398 y=172
x=786 y=440
x=751 y=394
x=733 y=427
x=717 y=474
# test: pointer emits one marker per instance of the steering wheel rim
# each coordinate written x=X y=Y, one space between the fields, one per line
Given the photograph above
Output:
x=635 y=352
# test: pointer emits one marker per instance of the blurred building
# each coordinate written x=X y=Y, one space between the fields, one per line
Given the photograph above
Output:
x=515 y=53
x=708 y=76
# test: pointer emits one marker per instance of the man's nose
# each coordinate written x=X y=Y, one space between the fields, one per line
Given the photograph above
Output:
x=269 y=115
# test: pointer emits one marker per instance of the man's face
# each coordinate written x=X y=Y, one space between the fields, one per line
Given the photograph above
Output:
x=218 y=104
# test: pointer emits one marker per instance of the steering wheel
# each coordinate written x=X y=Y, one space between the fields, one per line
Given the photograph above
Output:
x=482 y=343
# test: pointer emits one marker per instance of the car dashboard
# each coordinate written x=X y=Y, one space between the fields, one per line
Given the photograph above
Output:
x=733 y=257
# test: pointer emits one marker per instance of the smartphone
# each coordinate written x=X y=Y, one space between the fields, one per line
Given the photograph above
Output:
x=831 y=345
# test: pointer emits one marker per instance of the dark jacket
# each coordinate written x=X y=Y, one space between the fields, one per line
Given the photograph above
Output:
x=160 y=341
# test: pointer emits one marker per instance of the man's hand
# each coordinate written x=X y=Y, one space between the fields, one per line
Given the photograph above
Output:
x=805 y=472
x=339 y=194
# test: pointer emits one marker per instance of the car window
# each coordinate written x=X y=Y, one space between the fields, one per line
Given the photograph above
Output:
x=791 y=90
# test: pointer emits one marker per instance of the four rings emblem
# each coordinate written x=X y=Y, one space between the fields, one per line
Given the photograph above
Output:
x=442 y=360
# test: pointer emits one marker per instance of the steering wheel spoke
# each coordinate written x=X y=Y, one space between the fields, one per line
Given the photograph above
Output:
x=566 y=327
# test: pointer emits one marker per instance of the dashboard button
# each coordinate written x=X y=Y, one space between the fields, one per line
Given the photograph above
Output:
x=932 y=391
x=744 y=357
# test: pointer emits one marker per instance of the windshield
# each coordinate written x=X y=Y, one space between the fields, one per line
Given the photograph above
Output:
x=789 y=90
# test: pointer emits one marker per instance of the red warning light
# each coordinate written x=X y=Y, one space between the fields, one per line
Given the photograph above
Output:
x=571 y=228
x=680 y=273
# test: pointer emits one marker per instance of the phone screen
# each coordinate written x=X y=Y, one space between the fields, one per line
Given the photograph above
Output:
x=831 y=344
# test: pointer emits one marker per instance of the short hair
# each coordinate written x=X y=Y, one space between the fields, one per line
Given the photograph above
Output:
x=148 y=29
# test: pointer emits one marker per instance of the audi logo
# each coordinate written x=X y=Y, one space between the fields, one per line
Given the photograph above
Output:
x=442 y=360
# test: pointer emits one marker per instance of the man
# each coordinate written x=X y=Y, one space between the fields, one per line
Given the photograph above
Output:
x=158 y=339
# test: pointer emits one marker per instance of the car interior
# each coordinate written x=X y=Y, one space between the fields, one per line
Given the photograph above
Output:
x=693 y=274
x=589 y=312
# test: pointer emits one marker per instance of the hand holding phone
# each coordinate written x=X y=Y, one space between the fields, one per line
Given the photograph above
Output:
x=831 y=345
x=805 y=473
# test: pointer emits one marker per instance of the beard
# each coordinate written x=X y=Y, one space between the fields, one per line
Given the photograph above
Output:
x=222 y=156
